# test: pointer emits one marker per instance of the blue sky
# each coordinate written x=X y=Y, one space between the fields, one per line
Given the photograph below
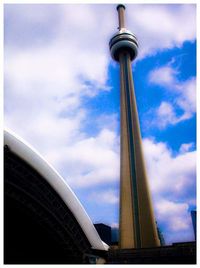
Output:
x=62 y=96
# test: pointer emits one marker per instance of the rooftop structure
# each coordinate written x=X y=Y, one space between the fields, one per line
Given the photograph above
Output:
x=43 y=219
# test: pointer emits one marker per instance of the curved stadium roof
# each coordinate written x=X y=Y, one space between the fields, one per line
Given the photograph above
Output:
x=31 y=157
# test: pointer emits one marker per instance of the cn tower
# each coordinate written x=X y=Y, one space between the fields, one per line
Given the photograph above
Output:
x=137 y=224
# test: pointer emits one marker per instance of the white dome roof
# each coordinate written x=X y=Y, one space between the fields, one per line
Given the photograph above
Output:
x=36 y=161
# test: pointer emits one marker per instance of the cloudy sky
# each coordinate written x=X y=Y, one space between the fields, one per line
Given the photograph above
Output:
x=62 y=96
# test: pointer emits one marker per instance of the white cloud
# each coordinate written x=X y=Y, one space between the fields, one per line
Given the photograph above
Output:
x=160 y=27
x=168 y=174
x=110 y=121
x=97 y=21
x=164 y=76
x=187 y=99
x=46 y=85
x=183 y=92
x=92 y=161
x=107 y=197
x=176 y=219
x=172 y=182
x=83 y=161
x=185 y=147
x=174 y=214
x=50 y=54
x=165 y=115
x=46 y=82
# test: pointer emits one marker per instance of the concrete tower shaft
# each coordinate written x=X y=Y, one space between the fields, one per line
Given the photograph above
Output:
x=137 y=222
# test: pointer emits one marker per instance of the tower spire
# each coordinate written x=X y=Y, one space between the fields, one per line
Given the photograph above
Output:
x=121 y=8
x=137 y=223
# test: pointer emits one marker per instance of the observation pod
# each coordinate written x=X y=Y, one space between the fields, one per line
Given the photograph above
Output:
x=44 y=222
x=137 y=225
x=123 y=41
